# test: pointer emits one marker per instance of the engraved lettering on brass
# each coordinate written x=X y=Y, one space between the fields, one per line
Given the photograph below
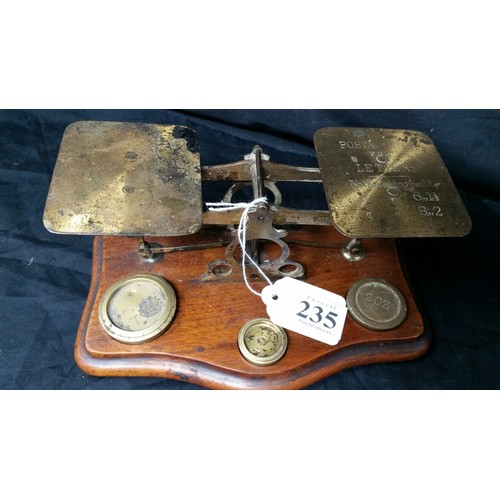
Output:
x=388 y=183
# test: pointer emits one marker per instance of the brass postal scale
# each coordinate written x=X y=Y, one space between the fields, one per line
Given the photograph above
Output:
x=170 y=294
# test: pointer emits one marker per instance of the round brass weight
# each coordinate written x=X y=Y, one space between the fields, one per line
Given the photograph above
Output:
x=261 y=342
x=376 y=304
x=137 y=308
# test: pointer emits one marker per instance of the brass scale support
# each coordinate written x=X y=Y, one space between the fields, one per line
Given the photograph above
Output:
x=256 y=170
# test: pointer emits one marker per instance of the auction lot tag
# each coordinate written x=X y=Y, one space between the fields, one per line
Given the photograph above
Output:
x=306 y=309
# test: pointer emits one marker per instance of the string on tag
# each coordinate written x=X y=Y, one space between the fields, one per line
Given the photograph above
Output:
x=242 y=233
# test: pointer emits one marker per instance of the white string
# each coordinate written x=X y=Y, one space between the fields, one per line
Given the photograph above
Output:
x=222 y=206
x=242 y=233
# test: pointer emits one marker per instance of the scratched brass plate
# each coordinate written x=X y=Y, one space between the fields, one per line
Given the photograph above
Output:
x=126 y=179
x=388 y=184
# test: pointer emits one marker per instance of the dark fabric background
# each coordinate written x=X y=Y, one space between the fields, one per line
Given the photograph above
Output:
x=44 y=278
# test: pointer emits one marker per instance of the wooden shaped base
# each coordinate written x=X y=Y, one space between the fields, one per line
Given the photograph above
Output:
x=201 y=346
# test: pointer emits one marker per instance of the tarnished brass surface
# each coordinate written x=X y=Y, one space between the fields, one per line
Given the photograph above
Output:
x=261 y=342
x=126 y=179
x=388 y=183
x=137 y=308
x=284 y=217
x=376 y=304
x=271 y=171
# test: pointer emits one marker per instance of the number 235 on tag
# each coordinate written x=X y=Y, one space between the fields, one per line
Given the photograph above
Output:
x=306 y=309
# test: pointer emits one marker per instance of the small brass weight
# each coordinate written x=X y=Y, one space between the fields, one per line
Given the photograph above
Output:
x=167 y=296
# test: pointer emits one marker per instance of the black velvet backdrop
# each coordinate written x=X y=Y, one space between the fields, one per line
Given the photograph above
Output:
x=44 y=278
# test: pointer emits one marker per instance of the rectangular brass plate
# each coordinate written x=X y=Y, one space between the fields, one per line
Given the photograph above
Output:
x=129 y=179
x=388 y=183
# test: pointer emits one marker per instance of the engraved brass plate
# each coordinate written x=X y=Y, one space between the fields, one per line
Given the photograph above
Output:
x=129 y=179
x=388 y=184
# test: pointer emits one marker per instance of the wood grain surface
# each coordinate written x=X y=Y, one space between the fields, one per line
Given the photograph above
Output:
x=200 y=346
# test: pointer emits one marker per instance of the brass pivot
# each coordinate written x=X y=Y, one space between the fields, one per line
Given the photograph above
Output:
x=259 y=230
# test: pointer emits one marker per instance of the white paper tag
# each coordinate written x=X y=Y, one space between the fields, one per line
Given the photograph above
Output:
x=306 y=309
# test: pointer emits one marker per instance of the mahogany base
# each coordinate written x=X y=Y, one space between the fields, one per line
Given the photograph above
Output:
x=201 y=347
